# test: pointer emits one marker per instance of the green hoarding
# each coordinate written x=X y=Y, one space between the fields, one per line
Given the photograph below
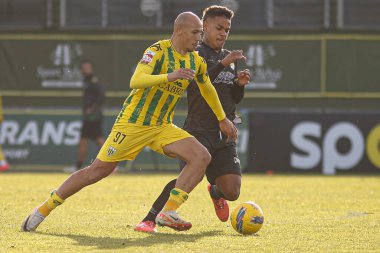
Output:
x=46 y=65
x=281 y=63
x=353 y=66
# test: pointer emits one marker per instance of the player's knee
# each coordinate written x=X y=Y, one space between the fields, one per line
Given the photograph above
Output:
x=232 y=193
x=200 y=158
x=204 y=157
x=93 y=174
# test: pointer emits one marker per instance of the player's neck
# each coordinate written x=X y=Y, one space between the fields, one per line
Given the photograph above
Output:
x=206 y=42
x=177 y=46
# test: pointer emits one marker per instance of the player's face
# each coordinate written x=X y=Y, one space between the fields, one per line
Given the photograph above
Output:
x=216 y=30
x=86 y=69
x=192 y=35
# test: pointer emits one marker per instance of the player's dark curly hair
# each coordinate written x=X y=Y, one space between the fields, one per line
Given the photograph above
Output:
x=217 y=11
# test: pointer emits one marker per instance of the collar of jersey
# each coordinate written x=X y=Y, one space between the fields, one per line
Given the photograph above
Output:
x=175 y=51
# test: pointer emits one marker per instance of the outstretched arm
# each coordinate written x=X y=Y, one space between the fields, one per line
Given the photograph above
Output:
x=143 y=77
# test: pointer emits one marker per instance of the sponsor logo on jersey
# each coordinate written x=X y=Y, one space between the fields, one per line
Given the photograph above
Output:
x=172 y=88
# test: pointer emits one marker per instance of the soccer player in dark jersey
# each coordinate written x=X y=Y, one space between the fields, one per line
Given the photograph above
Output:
x=160 y=79
x=223 y=172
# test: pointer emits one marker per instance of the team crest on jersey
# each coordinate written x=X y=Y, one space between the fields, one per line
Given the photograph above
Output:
x=111 y=150
x=147 y=57
x=232 y=66
x=236 y=160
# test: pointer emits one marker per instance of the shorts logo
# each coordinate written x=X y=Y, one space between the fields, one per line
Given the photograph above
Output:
x=111 y=150
x=148 y=57
x=236 y=160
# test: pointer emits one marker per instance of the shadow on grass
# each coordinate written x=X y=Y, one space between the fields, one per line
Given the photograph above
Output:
x=118 y=243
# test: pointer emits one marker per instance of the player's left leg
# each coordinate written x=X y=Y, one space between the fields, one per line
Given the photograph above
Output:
x=224 y=175
x=227 y=187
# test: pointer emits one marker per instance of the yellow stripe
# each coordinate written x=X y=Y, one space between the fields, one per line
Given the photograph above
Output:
x=145 y=106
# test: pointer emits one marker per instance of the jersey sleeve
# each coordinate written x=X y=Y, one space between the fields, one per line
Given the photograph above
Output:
x=144 y=75
x=208 y=91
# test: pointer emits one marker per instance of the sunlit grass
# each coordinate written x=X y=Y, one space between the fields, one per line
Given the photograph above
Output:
x=302 y=214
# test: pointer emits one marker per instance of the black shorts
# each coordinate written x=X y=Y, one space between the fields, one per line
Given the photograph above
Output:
x=92 y=129
x=224 y=156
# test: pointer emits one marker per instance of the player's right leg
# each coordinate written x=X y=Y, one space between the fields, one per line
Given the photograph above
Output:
x=197 y=158
x=78 y=180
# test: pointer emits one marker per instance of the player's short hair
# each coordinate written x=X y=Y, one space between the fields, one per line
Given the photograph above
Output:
x=217 y=11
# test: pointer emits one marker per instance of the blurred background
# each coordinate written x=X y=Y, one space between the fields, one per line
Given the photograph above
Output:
x=312 y=105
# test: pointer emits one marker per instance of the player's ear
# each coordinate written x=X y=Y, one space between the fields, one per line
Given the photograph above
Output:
x=205 y=25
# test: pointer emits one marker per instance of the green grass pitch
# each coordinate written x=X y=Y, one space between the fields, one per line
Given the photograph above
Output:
x=302 y=214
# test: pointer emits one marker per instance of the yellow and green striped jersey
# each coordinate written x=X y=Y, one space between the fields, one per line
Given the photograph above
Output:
x=155 y=105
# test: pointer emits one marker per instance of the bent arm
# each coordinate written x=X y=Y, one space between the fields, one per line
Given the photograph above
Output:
x=143 y=78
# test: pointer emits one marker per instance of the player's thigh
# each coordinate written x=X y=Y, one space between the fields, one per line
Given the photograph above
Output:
x=205 y=141
x=224 y=161
x=188 y=150
x=124 y=143
x=177 y=143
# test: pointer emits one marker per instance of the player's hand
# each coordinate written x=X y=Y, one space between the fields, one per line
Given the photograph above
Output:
x=181 y=74
x=232 y=57
x=244 y=77
x=228 y=129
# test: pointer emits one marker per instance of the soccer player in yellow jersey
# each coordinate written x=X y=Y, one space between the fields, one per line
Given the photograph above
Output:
x=162 y=75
